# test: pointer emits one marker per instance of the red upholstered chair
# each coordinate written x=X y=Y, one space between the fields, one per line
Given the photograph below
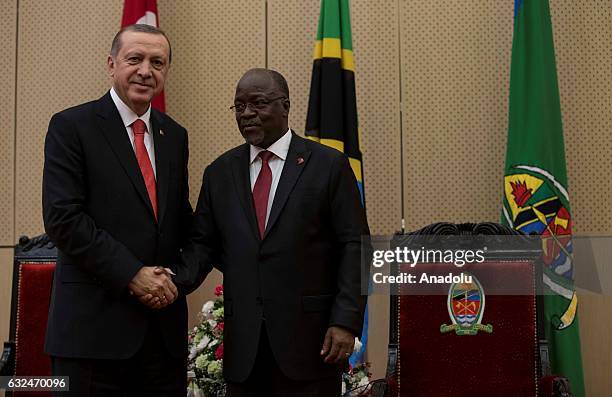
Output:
x=426 y=356
x=33 y=269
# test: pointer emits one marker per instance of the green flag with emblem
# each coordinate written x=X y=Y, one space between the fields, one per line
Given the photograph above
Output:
x=536 y=196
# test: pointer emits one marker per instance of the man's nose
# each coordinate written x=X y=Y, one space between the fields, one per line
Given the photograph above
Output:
x=248 y=110
x=144 y=69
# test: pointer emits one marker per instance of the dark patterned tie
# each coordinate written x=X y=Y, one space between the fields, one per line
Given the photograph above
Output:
x=261 y=190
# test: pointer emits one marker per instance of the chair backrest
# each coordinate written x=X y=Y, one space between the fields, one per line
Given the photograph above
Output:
x=33 y=269
x=432 y=355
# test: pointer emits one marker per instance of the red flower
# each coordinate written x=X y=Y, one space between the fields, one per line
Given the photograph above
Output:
x=219 y=290
x=219 y=352
x=221 y=325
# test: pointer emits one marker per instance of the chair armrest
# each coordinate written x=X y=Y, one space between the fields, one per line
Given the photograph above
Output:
x=392 y=356
x=380 y=388
x=7 y=359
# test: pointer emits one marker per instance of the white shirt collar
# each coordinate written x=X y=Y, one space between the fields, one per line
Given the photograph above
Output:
x=280 y=148
x=127 y=115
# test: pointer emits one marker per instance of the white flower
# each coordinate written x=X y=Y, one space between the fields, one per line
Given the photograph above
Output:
x=198 y=337
x=363 y=382
x=192 y=352
x=201 y=362
x=218 y=313
x=212 y=323
x=202 y=344
x=193 y=391
x=207 y=309
x=358 y=345
x=215 y=369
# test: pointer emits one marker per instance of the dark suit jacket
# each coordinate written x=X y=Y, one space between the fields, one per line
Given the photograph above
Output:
x=97 y=211
x=303 y=277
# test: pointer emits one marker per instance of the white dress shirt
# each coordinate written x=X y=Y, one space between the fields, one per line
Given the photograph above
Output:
x=280 y=148
x=128 y=117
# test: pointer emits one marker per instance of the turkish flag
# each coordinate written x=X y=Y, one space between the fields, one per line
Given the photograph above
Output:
x=143 y=12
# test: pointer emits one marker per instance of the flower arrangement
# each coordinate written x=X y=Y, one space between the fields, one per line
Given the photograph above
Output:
x=206 y=355
x=206 y=349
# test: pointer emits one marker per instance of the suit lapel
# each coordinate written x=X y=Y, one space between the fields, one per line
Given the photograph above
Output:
x=114 y=131
x=297 y=157
x=242 y=181
x=162 y=163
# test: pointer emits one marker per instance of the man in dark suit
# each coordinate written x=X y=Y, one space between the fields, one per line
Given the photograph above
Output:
x=282 y=218
x=116 y=204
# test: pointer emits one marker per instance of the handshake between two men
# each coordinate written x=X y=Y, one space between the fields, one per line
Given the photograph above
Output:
x=153 y=287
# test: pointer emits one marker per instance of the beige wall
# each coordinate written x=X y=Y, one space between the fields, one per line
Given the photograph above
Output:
x=61 y=57
x=455 y=71
x=8 y=32
x=583 y=48
x=432 y=84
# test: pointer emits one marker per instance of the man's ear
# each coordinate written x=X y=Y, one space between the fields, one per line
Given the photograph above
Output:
x=286 y=105
x=110 y=66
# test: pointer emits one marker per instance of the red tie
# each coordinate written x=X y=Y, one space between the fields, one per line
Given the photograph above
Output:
x=261 y=191
x=139 y=128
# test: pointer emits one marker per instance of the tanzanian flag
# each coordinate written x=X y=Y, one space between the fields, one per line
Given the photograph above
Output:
x=332 y=105
x=536 y=198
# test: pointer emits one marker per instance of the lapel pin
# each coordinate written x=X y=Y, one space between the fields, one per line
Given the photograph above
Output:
x=161 y=132
x=300 y=160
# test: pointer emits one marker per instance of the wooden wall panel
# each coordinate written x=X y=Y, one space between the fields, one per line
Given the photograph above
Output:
x=582 y=32
x=375 y=27
x=455 y=73
x=62 y=62
x=595 y=342
x=292 y=29
x=212 y=48
x=8 y=32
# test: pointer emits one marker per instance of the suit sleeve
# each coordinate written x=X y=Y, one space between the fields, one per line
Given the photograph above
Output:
x=197 y=256
x=350 y=225
x=66 y=221
x=186 y=209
